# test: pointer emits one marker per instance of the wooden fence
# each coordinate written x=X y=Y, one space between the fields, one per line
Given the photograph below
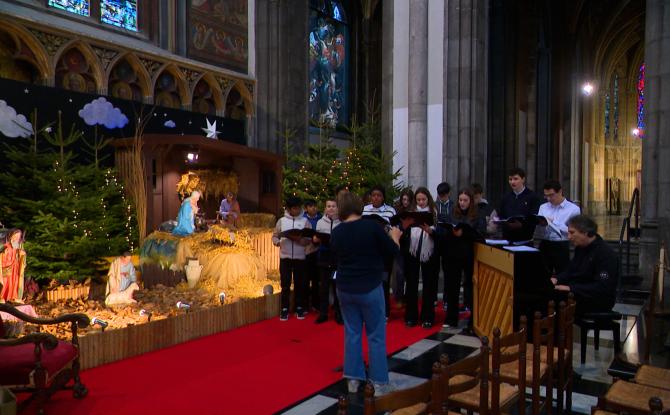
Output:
x=262 y=244
x=113 y=345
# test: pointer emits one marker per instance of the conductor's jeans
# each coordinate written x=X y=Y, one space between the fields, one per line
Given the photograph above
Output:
x=292 y=270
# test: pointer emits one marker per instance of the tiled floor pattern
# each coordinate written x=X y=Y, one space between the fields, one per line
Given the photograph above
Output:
x=413 y=364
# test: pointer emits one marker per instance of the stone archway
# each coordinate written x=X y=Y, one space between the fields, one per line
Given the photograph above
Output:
x=22 y=58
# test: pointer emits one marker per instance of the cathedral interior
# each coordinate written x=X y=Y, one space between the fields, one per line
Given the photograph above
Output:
x=463 y=91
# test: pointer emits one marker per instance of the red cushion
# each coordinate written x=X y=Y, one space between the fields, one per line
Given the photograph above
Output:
x=18 y=362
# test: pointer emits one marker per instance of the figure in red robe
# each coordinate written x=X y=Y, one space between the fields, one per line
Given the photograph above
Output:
x=13 y=264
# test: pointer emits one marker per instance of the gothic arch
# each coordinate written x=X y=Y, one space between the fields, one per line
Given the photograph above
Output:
x=217 y=94
x=40 y=59
x=96 y=70
x=180 y=83
x=245 y=94
x=144 y=79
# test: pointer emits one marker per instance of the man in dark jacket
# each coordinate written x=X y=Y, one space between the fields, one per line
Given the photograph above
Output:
x=519 y=201
x=593 y=273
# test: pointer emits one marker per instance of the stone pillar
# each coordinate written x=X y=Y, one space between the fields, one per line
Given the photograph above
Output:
x=281 y=72
x=387 y=78
x=465 y=91
x=417 y=94
x=656 y=143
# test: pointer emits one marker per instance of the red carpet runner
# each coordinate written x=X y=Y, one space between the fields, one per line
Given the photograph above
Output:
x=257 y=369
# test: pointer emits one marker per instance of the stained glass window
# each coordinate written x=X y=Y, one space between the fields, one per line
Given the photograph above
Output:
x=607 y=115
x=80 y=7
x=640 y=103
x=120 y=13
x=328 y=64
x=615 y=92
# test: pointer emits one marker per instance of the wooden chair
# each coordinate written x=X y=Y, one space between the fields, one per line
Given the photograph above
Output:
x=656 y=306
x=564 y=350
x=342 y=405
x=653 y=376
x=655 y=408
x=38 y=363
x=632 y=398
x=467 y=386
x=508 y=363
x=542 y=373
x=425 y=398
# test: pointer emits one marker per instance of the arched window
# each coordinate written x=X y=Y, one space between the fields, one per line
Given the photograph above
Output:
x=328 y=64
x=615 y=93
x=607 y=116
x=640 y=103
x=120 y=13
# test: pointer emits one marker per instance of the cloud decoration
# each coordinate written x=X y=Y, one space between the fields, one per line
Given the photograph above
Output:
x=100 y=111
x=170 y=124
x=13 y=124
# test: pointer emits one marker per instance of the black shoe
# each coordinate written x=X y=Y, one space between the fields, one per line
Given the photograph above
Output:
x=300 y=313
x=410 y=323
x=427 y=325
x=321 y=319
x=338 y=319
x=283 y=316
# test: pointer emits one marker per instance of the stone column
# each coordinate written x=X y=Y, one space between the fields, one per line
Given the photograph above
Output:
x=465 y=91
x=387 y=78
x=656 y=143
x=417 y=93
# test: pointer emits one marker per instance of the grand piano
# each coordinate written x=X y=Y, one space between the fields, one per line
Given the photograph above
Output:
x=507 y=285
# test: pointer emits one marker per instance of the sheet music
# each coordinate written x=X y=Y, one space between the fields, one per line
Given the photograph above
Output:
x=497 y=242
x=521 y=248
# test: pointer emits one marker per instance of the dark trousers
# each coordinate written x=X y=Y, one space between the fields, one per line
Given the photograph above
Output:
x=443 y=261
x=327 y=281
x=428 y=272
x=458 y=268
x=398 y=278
x=312 y=280
x=556 y=255
x=292 y=270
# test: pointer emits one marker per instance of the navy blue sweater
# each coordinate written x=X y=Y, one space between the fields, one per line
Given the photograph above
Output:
x=360 y=248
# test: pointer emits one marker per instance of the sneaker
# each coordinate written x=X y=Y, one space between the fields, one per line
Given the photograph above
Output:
x=410 y=323
x=427 y=325
x=283 y=316
x=300 y=313
x=321 y=319
x=447 y=326
x=383 y=388
x=352 y=385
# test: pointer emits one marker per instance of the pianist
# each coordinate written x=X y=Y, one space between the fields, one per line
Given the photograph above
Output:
x=593 y=272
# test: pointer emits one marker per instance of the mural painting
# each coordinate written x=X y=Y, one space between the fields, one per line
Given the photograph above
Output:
x=219 y=33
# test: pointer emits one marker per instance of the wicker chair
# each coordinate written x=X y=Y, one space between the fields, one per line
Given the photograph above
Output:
x=424 y=398
x=508 y=361
x=467 y=385
x=657 y=377
x=631 y=398
x=38 y=363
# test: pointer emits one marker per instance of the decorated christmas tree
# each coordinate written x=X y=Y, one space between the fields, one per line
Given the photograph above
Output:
x=316 y=173
x=73 y=210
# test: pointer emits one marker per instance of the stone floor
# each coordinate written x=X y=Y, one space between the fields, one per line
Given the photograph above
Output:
x=413 y=364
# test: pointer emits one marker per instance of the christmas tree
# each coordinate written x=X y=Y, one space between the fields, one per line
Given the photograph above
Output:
x=73 y=211
x=316 y=173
